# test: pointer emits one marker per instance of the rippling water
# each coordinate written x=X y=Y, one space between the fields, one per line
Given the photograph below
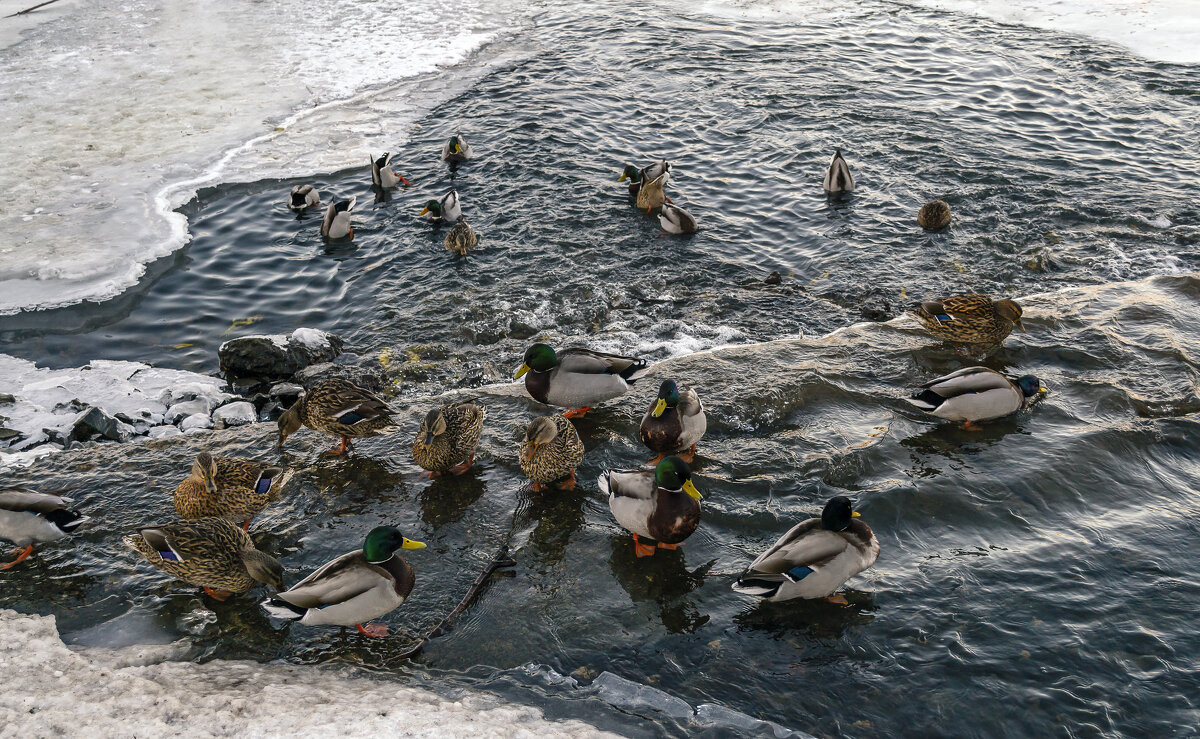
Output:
x=1035 y=576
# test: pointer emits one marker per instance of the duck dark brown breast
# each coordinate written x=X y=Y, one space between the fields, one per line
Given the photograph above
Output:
x=675 y=517
x=538 y=385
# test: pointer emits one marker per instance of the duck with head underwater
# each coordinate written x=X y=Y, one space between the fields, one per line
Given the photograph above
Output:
x=637 y=176
x=341 y=408
x=975 y=394
x=838 y=178
x=577 y=378
x=443 y=210
x=814 y=558
x=28 y=517
x=662 y=504
x=303 y=196
x=336 y=224
x=675 y=422
x=355 y=588
x=382 y=174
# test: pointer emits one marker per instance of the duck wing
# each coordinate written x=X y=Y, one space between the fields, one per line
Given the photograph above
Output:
x=588 y=362
x=337 y=581
x=23 y=500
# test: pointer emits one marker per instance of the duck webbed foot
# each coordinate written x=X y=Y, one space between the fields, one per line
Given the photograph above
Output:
x=217 y=595
x=377 y=630
x=462 y=468
x=577 y=412
x=838 y=599
x=642 y=550
x=21 y=557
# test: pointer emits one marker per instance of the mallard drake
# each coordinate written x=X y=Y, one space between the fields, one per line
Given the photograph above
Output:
x=651 y=194
x=28 y=517
x=814 y=558
x=674 y=423
x=461 y=238
x=456 y=149
x=676 y=220
x=303 y=196
x=447 y=438
x=577 y=379
x=662 y=504
x=337 y=220
x=637 y=176
x=382 y=175
x=341 y=408
x=934 y=215
x=838 y=178
x=229 y=487
x=211 y=553
x=969 y=319
x=353 y=589
x=444 y=209
x=550 y=452
x=976 y=394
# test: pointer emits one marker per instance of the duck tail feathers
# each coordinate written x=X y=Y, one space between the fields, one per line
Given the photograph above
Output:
x=636 y=371
x=281 y=609
x=927 y=400
x=757 y=586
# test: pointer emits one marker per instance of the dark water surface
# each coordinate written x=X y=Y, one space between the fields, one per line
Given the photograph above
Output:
x=1037 y=577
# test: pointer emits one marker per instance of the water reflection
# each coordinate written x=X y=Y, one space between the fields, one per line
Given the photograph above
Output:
x=559 y=514
x=662 y=579
x=445 y=499
x=815 y=618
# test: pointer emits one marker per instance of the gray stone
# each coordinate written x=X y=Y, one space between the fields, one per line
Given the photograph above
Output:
x=366 y=377
x=6 y=434
x=277 y=355
x=95 y=422
x=286 y=390
x=7 y=398
x=188 y=408
x=162 y=432
x=196 y=421
x=234 y=414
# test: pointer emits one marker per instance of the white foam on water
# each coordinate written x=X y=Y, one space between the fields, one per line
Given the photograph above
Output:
x=117 y=112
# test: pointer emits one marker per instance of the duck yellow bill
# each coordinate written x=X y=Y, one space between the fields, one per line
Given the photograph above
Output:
x=410 y=544
x=1043 y=390
x=423 y=212
x=623 y=177
x=521 y=371
x=659 y=408
x=691 y=490
x=457 y=148
x=855 y=514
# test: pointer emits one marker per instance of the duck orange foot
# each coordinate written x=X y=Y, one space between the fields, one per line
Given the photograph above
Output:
x=372 y=629
x=567 y=483
x=462 y=468
x=340 y=449
x=838 y=599
x=21 y=557
x=642 y=550
x=217 y=595
x=577 y=412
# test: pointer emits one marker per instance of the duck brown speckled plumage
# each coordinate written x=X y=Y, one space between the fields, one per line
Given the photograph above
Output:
x=551 y=451
x=447 y=438
x=341 y=408
x=969 y=319
x=462 y=238
x=934 y=215
x=229 y=487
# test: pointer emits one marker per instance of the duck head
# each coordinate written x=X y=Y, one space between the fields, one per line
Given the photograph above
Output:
x=541 y=431
x=433 y=426
x=1010 y=310
x=630 y=173
x=673 y=474
x=668 y=397
x=837 y=514
x=289 y=422
x=384 y=541
x=433 y=208
x=205 y=467
x=263 y=568
x=539 y=358
x=1030 y=386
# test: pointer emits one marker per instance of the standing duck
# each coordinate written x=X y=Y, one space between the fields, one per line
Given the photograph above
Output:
x=577 y=379
x=674 y=423
x=814 y=558
x=341 y=408
x=337 y=220
x=969 y=319
x=444 y=209
x=976 y=394
x=676 y=220
x=446 y=441
x=456 y=150
x=550 y=452
x=461 y=238
x=229 y=487
x=28 y=518
x=303 y=196
x=651 y=194
x=382 y=174
x=934 y=215
x=637 y=176
x=210 y=553
x=662 y=505
x=354 y=588
x=838 y=179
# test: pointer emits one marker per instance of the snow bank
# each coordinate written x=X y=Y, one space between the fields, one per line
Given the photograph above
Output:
x=134 y=691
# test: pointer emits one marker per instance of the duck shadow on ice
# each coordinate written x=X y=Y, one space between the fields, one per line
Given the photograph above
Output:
x=663 y=580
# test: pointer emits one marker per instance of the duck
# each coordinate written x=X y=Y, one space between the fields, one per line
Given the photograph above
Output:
x=934 y=215
x=975 y=394
x=443 y=210
x=446 y=441
x=675 y=422
x=303 y=196
x=382 y=175
x=337 y=220
x=814 y=558
x=637 y=176
x=456 y=149
x=577 y=378
x=838 y=179
x=352 y=589
x=662 y=505
x=341 y=408
x=211 y=553
x=676 y=220
x=461 y=238
x=651 y=194
x=550 y=452
x=28 y=517
x=229 y=487
x=969 y=319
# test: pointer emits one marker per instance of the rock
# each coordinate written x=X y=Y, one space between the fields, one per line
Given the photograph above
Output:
x=271 y=411
x=96 y=422
x=366 y=377
x=162 y=432
x=196 y=421
x=774 y=278
x=239 y=413
x=8 y=434
x=286 y=392
x=7 y=398
x=277 y=355
x=196 y=406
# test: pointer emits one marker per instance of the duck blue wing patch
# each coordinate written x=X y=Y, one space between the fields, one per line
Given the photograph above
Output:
x=264 y=484
x=796 y=574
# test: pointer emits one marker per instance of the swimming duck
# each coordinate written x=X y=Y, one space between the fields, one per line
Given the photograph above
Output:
x=456 y=149
x=662 y=504
x=341 y=408
x=969 y=319
x=814 y=558
x=676 y=220
x=577 y=379
x=651 y=194
x=674 y=423
x=838 y=178
x=976 y=394
x=303 y=196
x=637 y=176
x=461 y=238
x=211 y=553
x=28 y=517
x=382 y=175
x=354 y=588
x=229 y=487
x=443 y=210
x=550 y=452
x=934 y=215
x=447 y=438
x=337 y=220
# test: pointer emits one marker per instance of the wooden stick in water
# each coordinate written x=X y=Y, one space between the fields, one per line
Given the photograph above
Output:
x=27 y=10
